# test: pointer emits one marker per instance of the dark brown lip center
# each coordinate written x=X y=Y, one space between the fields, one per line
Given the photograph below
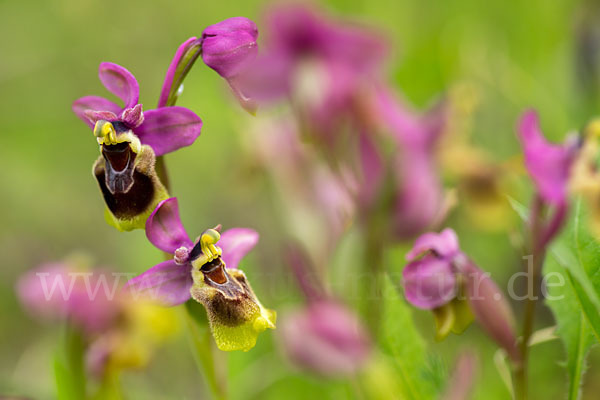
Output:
x=120 y=164
x=118 y=155
x=214 y=271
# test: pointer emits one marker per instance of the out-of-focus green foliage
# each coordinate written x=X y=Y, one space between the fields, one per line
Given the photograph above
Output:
x=575 y=305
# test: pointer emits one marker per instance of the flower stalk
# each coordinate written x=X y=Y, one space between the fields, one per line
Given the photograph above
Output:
x=211 y=362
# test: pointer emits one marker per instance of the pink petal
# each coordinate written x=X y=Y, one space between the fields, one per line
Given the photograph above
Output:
x=166 y=282
x=169 y=128
x=444 y=244
x=548 y=164
x=164 y=228
x=409 y=128
x=119 y=82
x=429 y=283
x=236 y=243
x=95 y=116
x=94 y=103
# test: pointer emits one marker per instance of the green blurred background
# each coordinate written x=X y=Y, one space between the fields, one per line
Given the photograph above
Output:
x=516 y=53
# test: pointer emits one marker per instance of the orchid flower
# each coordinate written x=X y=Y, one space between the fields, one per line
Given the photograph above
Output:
x=206 y=271
x=441 y=278
x=165 y=129
x=130 y=139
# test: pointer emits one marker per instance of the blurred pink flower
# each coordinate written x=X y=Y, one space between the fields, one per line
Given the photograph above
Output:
x=548 y=164
x=322 y=65
x=441 y=278
x=430 y=277
x=417 y=198
x=88 y=299
x=326 y=338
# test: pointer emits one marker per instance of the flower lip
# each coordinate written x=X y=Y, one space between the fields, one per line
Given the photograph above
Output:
x=214 y=271
x=120 y=163
x=118 y=155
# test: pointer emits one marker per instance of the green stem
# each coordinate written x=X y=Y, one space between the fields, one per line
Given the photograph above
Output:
x=69 y=368
x=211 y=362
x=520 y=370
x=373 y=288
x=209 y=359
x=161 y=171
x=185 y=65
x=110 y=388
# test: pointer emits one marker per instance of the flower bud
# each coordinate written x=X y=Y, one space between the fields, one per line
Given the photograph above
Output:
x=229 y=47
x=441 y=278
x=325 y=338
x=491 y=310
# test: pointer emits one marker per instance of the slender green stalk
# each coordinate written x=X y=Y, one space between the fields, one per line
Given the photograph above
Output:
x=161 y=171
x=373 y=281
x=211 y=362
x=185 y=65
x=534 y=270
x=110 y=388
x=69 y=368
x=209 y=359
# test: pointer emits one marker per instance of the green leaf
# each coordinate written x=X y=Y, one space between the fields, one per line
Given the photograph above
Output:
x=575 y=259
x=576 y=304
x=573 y=327
x=418 y=377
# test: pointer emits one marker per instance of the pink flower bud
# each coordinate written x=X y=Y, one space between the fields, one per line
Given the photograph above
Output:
x=228 y=46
